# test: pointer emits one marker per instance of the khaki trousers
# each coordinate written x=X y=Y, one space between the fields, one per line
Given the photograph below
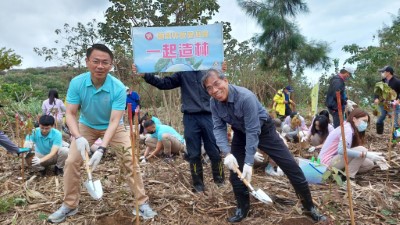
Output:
x=58 y=160
x=356 y=165
x=170 y=144
x=122 y=145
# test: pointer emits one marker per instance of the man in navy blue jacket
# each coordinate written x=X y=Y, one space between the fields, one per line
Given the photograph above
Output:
x=196 y=120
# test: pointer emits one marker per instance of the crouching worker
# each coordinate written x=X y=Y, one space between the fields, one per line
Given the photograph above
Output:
x=165 y=138
x=253 y=128
x=48 y=146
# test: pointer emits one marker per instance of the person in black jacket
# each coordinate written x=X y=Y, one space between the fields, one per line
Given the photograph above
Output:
x=337 y=84
x=387 y=74
x=197 y=121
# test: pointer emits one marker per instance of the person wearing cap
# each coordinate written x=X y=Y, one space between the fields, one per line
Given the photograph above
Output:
x=282 y=102
x=253 y=127
x=337 y=83
x=387 y=74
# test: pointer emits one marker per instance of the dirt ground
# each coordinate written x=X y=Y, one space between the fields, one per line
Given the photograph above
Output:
x=376 y=198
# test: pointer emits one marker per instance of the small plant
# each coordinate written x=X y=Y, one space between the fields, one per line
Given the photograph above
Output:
x=332 y=175
x=6 y=205
x=42 y=216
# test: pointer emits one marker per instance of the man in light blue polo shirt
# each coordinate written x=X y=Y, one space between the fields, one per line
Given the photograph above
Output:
x=168 y=139
x=48 y=146
x=101 y=99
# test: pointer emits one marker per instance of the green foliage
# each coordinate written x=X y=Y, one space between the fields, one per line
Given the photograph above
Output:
x=284 y=47
x=370 y=58
x=332 y=175
x=9 y=59
x=124 y=14
x=7 y=203
x=385 y=92
x=42 y=216
x=76 y=39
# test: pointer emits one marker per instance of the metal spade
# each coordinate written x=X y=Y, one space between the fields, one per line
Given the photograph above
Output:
x=93 y=187
x=258 y=194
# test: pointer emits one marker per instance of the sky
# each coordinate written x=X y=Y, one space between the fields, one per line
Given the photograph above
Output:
x=27 y=24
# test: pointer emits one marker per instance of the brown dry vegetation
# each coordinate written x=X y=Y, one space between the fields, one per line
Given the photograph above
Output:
x=169 y=189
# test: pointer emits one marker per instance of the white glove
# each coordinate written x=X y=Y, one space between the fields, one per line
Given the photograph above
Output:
x=247 y=172
x=350 y=105
x=231 y=162
x=82 y=145
x=311 y=149
x=35 y=161
x=258 y=157
x=142 y=157
x=375 y=156
x=95 y=160
x=28 y=144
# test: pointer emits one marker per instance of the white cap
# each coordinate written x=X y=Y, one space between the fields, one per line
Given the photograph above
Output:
x=349 y=69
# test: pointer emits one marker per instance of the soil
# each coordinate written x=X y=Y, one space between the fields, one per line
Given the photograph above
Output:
x=168 y=185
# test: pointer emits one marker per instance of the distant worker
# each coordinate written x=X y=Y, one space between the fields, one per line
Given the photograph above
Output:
x=282 y=102
x=336 y=83
x=387 y=74
x=55 y=107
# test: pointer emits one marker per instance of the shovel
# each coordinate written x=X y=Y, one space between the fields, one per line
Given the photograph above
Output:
x=258 y=194
x=94 y=188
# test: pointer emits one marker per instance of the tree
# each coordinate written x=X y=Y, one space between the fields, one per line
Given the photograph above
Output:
x=124 y=14
x=77 y=40
x=285 y=48
x=369 y=59
x=9 y=59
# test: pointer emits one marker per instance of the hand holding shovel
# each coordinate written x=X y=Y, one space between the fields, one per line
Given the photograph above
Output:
x=258 y=194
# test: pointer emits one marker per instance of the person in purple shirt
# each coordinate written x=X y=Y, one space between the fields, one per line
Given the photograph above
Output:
x=253 y=128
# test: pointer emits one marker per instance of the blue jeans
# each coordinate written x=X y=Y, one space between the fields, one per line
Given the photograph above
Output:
x=198 y=128
x=382 y=117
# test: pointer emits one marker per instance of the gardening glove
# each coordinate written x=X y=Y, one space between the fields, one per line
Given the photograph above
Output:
x=350 y=105
x=35 y=161
x=96 y=157
x=82 y=145
x=258 y=157
x=247 y=172
x=375 y=156
x=28 y=144
x=311 y=149
x=231 y=162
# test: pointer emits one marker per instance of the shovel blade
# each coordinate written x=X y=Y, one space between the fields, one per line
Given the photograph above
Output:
x=94 y=189
x=262 y=196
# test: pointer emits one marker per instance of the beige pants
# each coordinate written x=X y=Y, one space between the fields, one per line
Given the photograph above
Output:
x=122 y=145
x=58 y=160
x=356 y=165
x=170 y=144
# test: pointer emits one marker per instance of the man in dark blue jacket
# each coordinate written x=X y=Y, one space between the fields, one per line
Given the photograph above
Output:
x=197 y=121
x=337 y=84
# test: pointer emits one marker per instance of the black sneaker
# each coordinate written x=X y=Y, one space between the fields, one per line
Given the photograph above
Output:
x=58 y=171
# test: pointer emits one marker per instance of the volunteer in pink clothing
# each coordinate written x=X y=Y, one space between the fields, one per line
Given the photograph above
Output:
x=359 y=158
x=55 y=107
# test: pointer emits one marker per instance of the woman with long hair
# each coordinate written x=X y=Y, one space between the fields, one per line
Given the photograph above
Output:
x=55 y=107
x=359 y=158
x=319 y=131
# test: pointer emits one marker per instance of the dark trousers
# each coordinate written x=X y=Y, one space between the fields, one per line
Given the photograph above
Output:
x=198 y=128
x=335 y=116
x=271 y=144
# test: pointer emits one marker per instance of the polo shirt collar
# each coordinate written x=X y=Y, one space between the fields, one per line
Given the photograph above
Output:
x=39 y=133
x=105 y=87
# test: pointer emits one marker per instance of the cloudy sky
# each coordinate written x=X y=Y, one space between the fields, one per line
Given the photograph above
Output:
x=27 y=24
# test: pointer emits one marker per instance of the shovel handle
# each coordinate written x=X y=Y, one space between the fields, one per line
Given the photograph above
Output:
x=87 y=165
x=247 y=183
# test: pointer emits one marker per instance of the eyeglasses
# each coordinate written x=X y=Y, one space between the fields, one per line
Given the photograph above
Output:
x=216 y=84
x=98 y=62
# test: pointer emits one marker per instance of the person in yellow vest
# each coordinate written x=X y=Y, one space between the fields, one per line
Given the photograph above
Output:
x=282 y=102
